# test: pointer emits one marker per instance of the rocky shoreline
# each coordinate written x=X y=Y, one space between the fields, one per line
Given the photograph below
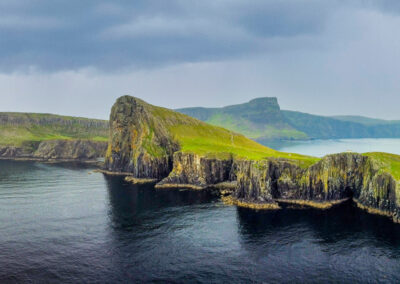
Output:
x=257 y=184
x=84 y=151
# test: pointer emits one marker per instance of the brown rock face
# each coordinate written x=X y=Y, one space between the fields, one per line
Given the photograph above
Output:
x=57 y=150
x=70 y=150
x=333 y=178
x=201 y=172
x=138 y=142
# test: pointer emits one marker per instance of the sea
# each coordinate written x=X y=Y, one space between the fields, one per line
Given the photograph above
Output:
x=64 y=223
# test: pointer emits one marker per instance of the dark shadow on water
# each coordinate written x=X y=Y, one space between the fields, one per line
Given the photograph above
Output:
x=71 y=165
x=148 y=229
x=342 y=222
x=131 y=204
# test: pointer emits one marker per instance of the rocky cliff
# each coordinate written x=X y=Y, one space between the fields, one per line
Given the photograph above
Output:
x=39 y=136
x=334 y=178
x=145 y=143
x=139 y=142
x=76 y=150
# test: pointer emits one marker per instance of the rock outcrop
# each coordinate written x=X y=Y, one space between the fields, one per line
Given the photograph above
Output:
x=335 y=177
x=190 y=170
x=138 y=144
x=141 y=144
x=74 y=150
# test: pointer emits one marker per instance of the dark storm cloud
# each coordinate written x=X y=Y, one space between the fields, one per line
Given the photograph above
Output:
x=60 y=35
x=318 y=56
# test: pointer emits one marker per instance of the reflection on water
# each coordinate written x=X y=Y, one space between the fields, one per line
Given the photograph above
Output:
x=320 y=148
x=59 y=223
x=130 y=204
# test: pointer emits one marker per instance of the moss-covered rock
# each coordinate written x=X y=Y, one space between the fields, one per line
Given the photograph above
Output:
x=77 y=150
x=155 y=143
x=195 y=170
x=138 y=141
x=334 y=178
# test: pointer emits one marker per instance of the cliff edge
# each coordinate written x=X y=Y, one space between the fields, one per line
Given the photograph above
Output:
x=155 y=143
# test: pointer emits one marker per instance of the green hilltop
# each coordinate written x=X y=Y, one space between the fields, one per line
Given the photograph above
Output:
x=259 y=119
x=27 y=129
x=175 y=150
x=153 y=125
x=205 y=139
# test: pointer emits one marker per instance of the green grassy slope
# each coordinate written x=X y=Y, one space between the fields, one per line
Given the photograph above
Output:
x=195 y=136
x=25 y=129
x=387 y=162
x=201 y=138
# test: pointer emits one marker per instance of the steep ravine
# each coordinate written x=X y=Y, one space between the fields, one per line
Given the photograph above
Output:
x=140 y=144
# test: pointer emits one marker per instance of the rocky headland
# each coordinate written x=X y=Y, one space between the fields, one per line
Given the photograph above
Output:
x=49 y=137
x=175 y=150
x=57 y=150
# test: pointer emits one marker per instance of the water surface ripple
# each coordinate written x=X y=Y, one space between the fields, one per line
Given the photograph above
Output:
x=59 y=223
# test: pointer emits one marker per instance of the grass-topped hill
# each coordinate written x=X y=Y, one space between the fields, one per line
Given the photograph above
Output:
x=160 y=145
x=260 y=119
x=27 y=129
x=143 y=136
x=146 y=130
x=204 y=139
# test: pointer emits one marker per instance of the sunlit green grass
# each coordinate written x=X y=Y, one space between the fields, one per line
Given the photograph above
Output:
x=197 y=137
x=387 y=162
x=32 y=127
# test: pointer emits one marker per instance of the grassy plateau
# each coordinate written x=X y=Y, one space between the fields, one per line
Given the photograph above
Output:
x=25 y=129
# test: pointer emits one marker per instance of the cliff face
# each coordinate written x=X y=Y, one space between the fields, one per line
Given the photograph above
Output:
x=138 y=143
x=26 y=136
x=190 y=170
x=143 y=145
x=57 y=150
x=335 y=177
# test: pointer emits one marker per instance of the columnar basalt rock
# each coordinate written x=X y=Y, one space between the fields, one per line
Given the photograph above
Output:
x=192 y=170
x=335 y=177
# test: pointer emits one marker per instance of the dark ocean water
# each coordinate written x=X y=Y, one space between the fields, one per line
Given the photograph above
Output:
x=59 y=223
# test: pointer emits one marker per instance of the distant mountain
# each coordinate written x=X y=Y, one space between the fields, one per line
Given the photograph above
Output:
x=365 y=120
x=259 y=119
x=262 y=119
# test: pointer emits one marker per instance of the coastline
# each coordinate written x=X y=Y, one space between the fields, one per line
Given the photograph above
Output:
x=51 y=161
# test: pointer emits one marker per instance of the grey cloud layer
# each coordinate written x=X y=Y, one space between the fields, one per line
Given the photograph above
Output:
x=318 y=56
x=109 y=35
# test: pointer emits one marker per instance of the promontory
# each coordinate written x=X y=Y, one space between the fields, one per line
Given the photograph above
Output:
x=152 y=143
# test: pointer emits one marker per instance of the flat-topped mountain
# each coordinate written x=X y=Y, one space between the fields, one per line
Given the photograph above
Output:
x=49 y=136
x=175 y=150
x=259 y=119
x=262 y=119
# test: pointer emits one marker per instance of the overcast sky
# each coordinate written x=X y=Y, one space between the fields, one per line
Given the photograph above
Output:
x=76 y=57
